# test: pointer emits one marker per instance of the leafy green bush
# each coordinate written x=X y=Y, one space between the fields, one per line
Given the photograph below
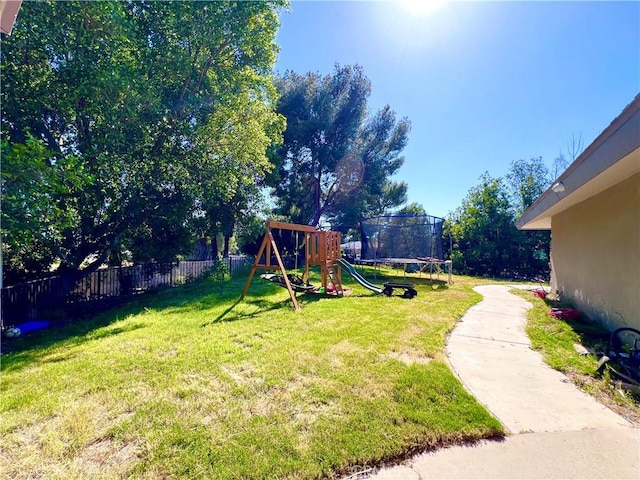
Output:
x=218 y=272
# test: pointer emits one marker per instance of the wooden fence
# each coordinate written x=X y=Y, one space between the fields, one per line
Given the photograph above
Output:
x=60 y=296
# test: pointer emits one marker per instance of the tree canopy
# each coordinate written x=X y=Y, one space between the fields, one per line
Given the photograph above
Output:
x=482 y=229
x=485 y=240
x=129 y=126
x=527 y=180
x=335 y=161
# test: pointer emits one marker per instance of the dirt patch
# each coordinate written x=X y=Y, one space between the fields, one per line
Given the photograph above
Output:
x=413 y=331
x=345 y=347
x=172 y=353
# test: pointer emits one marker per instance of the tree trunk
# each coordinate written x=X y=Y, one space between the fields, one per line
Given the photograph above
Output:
x=201 y=252
x=225 y=251
x=214 y=246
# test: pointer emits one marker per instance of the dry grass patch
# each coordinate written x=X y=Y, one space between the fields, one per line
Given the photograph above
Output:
x=72 y=444
x=409 y=357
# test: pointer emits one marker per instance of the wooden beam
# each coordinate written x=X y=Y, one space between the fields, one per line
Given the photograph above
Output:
x=290 y=226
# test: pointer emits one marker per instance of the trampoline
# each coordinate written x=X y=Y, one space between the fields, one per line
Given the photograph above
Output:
x=407 y=240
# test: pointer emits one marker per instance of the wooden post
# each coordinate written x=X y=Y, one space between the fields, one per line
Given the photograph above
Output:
x=256 y=264
x=307 y=257
x=268 y=243
x=292 y=294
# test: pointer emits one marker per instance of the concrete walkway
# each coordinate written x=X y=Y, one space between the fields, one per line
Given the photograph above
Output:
x=557 y=431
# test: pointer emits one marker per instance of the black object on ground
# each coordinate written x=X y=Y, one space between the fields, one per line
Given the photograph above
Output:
x=622 y=358
x=409 y=289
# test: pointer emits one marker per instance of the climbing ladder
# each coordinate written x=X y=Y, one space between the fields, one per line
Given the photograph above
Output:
x=335 y=275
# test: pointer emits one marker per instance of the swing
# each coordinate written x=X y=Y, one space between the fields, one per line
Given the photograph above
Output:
x=296 y=282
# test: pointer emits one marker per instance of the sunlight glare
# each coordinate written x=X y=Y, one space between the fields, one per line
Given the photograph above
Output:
x=422 y=7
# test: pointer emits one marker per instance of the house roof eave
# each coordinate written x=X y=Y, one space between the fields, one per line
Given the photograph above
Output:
x=613 y=156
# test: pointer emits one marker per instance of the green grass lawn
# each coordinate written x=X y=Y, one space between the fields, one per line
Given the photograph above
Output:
x=191 y=383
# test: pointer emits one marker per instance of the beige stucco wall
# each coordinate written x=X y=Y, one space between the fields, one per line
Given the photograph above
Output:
x=595 y=249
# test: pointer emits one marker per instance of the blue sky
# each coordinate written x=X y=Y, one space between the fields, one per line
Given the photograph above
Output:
x=483 y=83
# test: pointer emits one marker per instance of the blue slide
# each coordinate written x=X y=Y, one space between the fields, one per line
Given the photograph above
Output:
x=358 y=278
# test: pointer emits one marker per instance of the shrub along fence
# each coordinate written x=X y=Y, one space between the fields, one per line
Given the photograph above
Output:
x=63 y=296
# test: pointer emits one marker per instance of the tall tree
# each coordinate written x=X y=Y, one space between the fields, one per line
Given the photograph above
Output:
x=333 y=156
x=379 y=143
x=412 y=209
x=133 y=95
x=527 y=180
x=560 y=164
x=485 y=240
x=231 y=163
x=483 y=230
x=34 y=216
x=364 y=204
x=575 y=146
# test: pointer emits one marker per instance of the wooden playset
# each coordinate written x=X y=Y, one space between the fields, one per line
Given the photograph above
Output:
x=321 y=248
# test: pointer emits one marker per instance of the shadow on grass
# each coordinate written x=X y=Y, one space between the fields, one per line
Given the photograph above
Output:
x=431 y=285
x=75 y=331
x=183 y=299
x=425 y=285
x=229 y=315
x=34 y=347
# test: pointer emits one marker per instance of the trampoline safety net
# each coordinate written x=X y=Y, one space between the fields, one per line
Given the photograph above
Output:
x=402 y=236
